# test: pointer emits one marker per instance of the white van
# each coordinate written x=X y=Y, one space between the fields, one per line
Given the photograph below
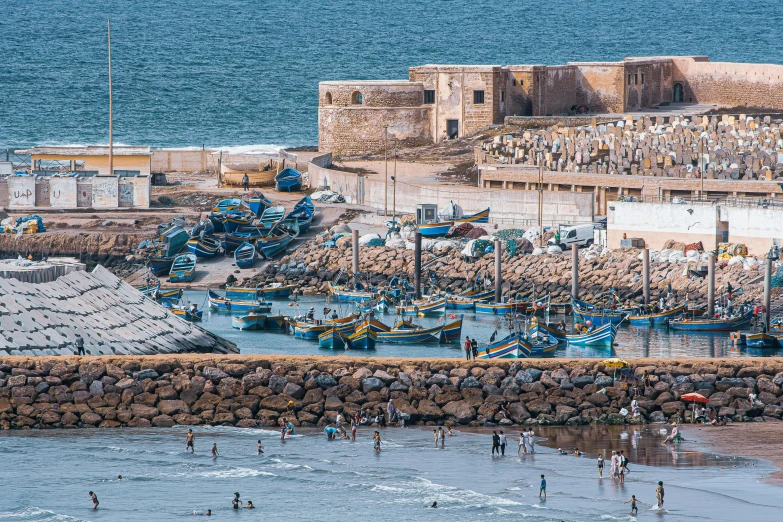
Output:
x=582 y=235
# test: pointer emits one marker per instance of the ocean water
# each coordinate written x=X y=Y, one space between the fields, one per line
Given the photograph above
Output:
x=632 y=341
x=243 y=72
x=47 y=476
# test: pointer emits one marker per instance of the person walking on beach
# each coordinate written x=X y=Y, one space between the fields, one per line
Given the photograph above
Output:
x=474 y=347
x=542 y=490
x=442 y=435
x=613 y=465
x=521 y=443
x=376 y=442
x=79 y=342
x=214 y=450
x=531 y=440
x=495 y=443
x=94 y=499
x=659 y=494
x=189 y=443
x=634 y=509
x=245 y=181
x=624 y=462
x=467 y=348
x=260 y=448
x=502 y=444
x=600 y=466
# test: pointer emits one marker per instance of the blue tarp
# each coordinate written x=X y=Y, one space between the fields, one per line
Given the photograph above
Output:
x=25 y=219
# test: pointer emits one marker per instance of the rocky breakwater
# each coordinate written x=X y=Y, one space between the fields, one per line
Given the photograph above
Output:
x=254 y=391
x=313 y=265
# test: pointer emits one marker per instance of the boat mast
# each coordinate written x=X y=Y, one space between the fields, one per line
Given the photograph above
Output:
x=111 y=130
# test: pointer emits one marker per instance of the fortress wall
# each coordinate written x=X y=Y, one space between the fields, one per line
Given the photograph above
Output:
x=555 y=90
x=730 y=84
x=600 y=86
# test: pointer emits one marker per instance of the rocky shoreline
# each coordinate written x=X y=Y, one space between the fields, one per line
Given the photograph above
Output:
x=254 y=391
x=313 y=265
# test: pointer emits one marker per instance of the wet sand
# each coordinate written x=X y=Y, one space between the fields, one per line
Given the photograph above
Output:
x=758 y=440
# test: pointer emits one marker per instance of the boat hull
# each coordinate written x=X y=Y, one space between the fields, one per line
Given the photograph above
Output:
x=280 y=291
x=542 y=329
x=603 y=336
x=435 y=229
x=245 y=255
x=600 y=317
x=331 y=339
x=231 y=224
x=426 y=308
x=411 y=336
x=658 y=319
x=183 y=270
x=309 y=331
x=269 y=248
x=452 y=332
x=494 y=308
x=511 y=347
x=363 y=339
x=249 y=322
x=478 y=217
x=710 y=325
x=203 y=248
x=761 y=340
x=160 y=265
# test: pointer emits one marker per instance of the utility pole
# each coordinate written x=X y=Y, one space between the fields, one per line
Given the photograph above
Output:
x=541 y=199
x=394 y=187
x=386 y=170
x=701 y=160
x=111 y=129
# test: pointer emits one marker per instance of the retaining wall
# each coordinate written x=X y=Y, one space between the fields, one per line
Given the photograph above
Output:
x=254 y=391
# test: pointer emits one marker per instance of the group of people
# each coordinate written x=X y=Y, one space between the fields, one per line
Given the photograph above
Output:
x=471 y=348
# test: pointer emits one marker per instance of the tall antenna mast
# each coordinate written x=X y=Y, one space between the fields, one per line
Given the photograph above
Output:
x=111 y=130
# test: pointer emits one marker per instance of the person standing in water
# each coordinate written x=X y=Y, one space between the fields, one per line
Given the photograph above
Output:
x=542 y=490
x=531 y=439
x=659 y=494
x=467 y=348
x=214 y=450
x=435 y=436
x=376 y=442
x=442 y=435
x=495 y=443
x=600 y=466
x=94 y=499
x=502 y=444
x=634 y=509
x=189 y=443
x=236 y=503
x=260 y=448
x=354 y=422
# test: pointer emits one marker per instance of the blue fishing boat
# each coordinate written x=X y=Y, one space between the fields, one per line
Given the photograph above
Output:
x=258 y=203
x=543 y=346
x=308 y=330
x=341 y=294
x=159 y=264
x=513 y=346
x=537 y=329
x=332 y=339
x=289 y=180
x=761 y=340
x=242 y=294
x=223 y=304
x=204 y=225
x=149 y=288
x=251 y=321
x=494 y=308
x=271 y=216
x=452 y=332
x=276 y=290
x=431 y=307
x=700 y=324
x=183 y=270
x=600 y=336
x=274 y=243
x=364 y=338
x=467 y=302
x=172 y=294
x=301 y=215
x=478 y=217
x=230 y=242
x=172 y=240
x=435 y=229
x=380 y=305
x=234 y=221
x=376 y=325
x=217 y=219
x=560 y=307
x=276 y=322
x=656 y=319
x=204 y=247
x=245 y=255
x=183 y=311
x=227 y=204
x=406 y=333
x=600 y=317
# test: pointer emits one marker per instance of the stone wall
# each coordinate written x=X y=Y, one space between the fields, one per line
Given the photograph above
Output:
x=730 y=84
x=600 y=86
x=254 y=391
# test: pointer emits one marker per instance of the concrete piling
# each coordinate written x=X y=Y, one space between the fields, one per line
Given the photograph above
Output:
x=575 y=271
x=355 y=252
x=767 y=291
x=646 y=275
x=498 y=272
x=417 y=265
x=711 y=286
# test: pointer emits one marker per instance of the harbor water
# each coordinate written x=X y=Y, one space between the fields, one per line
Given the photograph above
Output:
x=245 y=73
x=632 y=341
x=47 y=476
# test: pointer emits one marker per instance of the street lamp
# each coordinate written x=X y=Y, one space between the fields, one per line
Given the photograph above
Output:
x=394 y=187
x=386 y=169
x=541 y=197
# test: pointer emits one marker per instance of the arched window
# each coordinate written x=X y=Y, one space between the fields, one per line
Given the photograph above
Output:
x=356 y=98
x=328 y=98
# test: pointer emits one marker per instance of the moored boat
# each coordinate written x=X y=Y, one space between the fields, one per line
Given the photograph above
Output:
x=276 y=322
x=245 y=255
x=183 y=311
x=452 y=332
x=405 y=333
x=227 y=204
x=656 y=319
x=277 y=290
x=513 y=346
x=341 y=294
x=252 y=321
x=307 y=330
x=600 y=336
x=364 y=338
x=289 y=180
x=159 y=264
x=701 y=324
x=600 y=317
x=258 y=203
x=537 y=328
x=494 y=308
x=761 y=340
x=332 y=339
x=431 y=307
x=183 y=269
x=223 y=304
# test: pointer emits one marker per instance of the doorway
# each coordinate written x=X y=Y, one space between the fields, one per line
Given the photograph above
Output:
x=677 y=94
x=452 y=129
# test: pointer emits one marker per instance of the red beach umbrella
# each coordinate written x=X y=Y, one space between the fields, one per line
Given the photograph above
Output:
x=695 y=397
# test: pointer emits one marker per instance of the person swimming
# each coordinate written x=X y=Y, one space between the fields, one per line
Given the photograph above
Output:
x=562 y=451
x=249 y=505
x=434 y=504
x=119 y=477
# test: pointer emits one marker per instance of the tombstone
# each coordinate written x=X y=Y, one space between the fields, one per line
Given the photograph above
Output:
x=634 y=170
x=646 y=163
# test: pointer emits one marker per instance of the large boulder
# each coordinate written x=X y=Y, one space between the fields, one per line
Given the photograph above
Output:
x=213 y=374
x=325 y=381
x=172 y=407
x=429 y=411
x=460 y=411
x=470 y=382
x=371 y=384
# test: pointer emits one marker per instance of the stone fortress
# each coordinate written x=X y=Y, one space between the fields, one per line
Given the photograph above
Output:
x=440 y=102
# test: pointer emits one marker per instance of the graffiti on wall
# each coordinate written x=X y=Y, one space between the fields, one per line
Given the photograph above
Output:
x=62 y=192
x=21 y=192
x=104 y=192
